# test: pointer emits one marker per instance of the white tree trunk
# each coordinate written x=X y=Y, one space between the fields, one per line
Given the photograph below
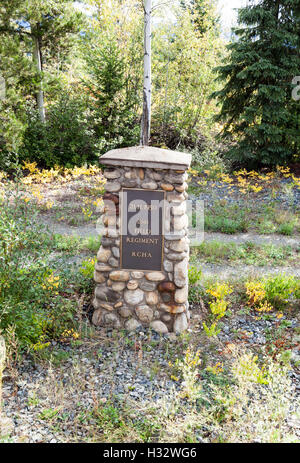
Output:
x=146 y=118
x=40 y=94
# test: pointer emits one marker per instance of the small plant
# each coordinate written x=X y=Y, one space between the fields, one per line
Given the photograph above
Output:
x=279 y=289
x=256 y=296
x=212 y=330
x=49 y=414
x=217 y=307
x=189 y=370
x=286 y=228
x=246 y=368
x=195 y=275
x=108 y=418
x=87 y=268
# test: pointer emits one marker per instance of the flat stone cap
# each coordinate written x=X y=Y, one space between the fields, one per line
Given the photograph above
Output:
x=147 y=156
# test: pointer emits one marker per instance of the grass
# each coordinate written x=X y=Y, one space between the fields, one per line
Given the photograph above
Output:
x=222 y=224
x=217 y=252
x=250 y=216
x=74 y=244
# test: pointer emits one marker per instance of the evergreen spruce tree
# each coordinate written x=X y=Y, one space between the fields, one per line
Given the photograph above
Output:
x=110 y=101
x=256 y=102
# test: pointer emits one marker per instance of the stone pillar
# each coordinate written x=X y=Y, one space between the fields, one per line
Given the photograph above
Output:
x=141 y=274
x=6 y=424
x=2 y=365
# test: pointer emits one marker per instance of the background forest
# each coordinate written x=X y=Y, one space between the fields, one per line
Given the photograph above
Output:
x=73 y=76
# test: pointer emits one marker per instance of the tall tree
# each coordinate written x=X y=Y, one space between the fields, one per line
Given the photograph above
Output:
x=183 y=78
x=203 y=13
x=146 y=117
x=46 y=28
x=112 y=52
x=256 y=102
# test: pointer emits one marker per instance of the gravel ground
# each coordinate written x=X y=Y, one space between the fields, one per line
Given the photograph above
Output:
x=222 y=191
x=227 y=272
x=110 y=368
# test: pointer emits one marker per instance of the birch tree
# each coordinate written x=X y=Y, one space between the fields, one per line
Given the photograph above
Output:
x=146 y=117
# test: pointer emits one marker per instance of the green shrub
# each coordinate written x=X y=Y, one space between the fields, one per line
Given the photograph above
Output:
x=32 y=301
x=65 y=139
x=195 y=275
x=286 y=228
x=280 y=288
x=224 y=224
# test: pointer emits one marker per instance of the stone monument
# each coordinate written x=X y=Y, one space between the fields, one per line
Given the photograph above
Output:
x=141 y=272
x=6 y=424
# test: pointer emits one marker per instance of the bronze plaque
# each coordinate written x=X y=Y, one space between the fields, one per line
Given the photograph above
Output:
x=142 y=242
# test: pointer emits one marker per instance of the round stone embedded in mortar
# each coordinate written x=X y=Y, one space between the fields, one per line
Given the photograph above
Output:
x=181 y=295
x=166 y=286
x=172 y=308
x=181 y=245
x=181 y=273
x=113 y=262
x=133 y=297
x=180 y=323
x=113 y=187
x=147 y=285
x=136 y=275
x=107 y=306
x=168 y=266
x=182 y=187
x=99 y=277
x=167 y=186
x=106 y=294
x=144 y=313
x=155 y=276
x=152 y=297
x=100 y=267
x=149 y=185
x=118 y=286
x=119 y=275
x=125 y=312
x=112 y=319
x=159 y=327
x=132 y=284
x=103 y=255
x=111 y=174
x=97 y=317
x=177 y=256
x=132 y=324
x=178 y=209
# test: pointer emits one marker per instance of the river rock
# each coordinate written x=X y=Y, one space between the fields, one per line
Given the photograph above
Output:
x=159 y=327
x=132 y=324
x=155 y=276
x=181 y=273
x=119 y=275
x=180 y=323
x=144 y=313
x=152 y=297
x=133 y=297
